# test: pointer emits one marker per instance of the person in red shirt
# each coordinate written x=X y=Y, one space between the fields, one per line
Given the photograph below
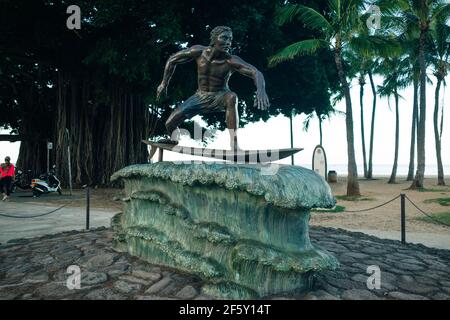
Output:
x=7 y=176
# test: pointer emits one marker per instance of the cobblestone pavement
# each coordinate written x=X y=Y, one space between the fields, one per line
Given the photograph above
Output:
x=36 y=269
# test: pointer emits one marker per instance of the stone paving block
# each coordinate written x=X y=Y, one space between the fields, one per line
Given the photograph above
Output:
x=405 y=296
x=441 y=296
x=93 y=278
x=104 y=294
x=37 y=277
x=151 y=276
x=102 y=260
x=409 y=284
x=188 y=292
x=323 y=295
x=153 y=297
x=170 y=289
x=8 y=295
x=158 y=286
x=127 y=287
x=54 y=290
x=117 y=269
x=132 y=279
x=358 y=294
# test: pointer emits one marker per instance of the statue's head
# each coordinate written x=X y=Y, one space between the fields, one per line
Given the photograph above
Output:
x=221 y=37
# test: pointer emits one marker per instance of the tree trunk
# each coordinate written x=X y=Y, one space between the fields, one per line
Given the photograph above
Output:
x=320 y=129
x=361 y=103
x=35 y=127
x=397 y=134
x=420 y=173
x=372 y=126
x=352 y=177
x=105 y=134
x=437 y=137
x=412 y=153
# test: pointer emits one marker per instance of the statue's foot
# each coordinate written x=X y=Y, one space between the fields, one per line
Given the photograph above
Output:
x=167 y=141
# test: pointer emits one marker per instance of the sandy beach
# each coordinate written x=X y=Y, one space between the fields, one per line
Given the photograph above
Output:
x=386 y=218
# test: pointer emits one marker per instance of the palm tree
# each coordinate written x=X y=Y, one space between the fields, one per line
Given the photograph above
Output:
x=336 y=29
x=415 y=114
x=441 y=45
x=372 y=122
x=362 y=63
x=394 y=71
x=359 y=69
x=419 y=15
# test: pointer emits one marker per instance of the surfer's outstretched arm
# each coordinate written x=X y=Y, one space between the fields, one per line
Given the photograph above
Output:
x=246 y=69
x=182 y=56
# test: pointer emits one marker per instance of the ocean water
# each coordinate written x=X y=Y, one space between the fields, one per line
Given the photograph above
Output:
x=383 y=169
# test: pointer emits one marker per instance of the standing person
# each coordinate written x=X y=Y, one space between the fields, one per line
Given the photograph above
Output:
x=7 y=176
x=215 y=65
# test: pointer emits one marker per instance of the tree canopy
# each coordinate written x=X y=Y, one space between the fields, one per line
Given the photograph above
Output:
x=106 y=73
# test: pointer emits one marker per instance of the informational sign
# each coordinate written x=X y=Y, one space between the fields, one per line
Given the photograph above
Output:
x=319 y=161
x=49 y=145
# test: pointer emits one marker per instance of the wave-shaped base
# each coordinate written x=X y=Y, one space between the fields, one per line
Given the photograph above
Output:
x=245 y=233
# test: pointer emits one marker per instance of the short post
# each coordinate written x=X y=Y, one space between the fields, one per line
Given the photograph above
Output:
x=292 y=138
x=48 y=156
x=87 y=207
x=403 y=217
x=160 y=156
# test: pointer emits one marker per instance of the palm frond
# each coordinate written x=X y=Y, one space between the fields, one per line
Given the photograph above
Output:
x=304 y=47
x=310 y=17
x=375 y=45
x=441 y=12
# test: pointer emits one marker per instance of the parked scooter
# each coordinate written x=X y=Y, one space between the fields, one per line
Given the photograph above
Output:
x=23 y=180
x=46 y=183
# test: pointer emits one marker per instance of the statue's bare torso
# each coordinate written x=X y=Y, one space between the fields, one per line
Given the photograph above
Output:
x=213 y=75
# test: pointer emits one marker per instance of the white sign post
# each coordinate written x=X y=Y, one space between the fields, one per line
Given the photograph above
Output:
x=49 y=147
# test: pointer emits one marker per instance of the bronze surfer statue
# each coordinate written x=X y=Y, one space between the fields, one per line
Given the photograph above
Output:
x=215 y=65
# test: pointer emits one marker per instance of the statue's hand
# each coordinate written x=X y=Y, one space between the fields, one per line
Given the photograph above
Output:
x=162 y=89
x=261 y=100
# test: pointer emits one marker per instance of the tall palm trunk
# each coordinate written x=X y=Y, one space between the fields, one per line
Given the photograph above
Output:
x=397 y=133
x=372 y=125
x=362 y=82
x=412 y=153
x=437 y=137
x=418 y=179
x=352 y=178
x=320 y=129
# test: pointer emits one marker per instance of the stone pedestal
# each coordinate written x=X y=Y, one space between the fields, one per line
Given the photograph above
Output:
x=242 y=230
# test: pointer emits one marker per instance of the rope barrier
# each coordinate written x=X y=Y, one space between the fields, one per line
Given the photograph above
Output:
x=34 y=216
x=428 y=215
x=378 y=206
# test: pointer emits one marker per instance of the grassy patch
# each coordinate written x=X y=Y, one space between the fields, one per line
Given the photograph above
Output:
x=432 y=190
x=443 y=217
x=442 y=201
x=336 y=209
x=354 y=198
